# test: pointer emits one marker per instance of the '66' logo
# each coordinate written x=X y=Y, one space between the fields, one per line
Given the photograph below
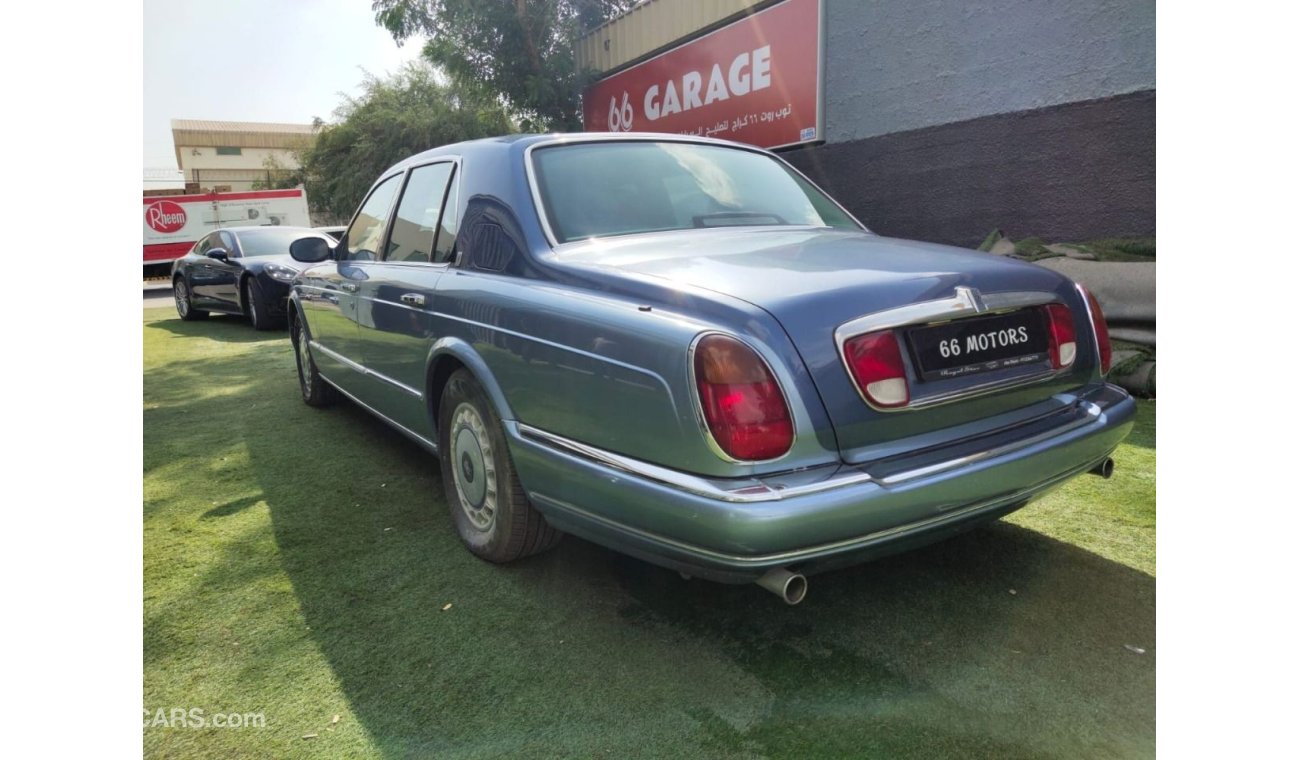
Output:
x=164 y=216
x=620 y=117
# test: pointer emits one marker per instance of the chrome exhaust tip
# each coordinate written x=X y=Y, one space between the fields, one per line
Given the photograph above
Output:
x=791 y=587
x=1105 y=468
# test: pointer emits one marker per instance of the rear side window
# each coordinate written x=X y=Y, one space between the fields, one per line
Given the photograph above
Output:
x=416 y=223
x=446 y=243
x=367 y=230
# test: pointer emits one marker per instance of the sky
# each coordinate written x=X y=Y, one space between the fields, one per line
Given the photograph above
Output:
x=250 y=60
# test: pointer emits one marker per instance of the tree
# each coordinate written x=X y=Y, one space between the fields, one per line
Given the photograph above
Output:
x=391 y=120
x=278 y=176
x=520 y=51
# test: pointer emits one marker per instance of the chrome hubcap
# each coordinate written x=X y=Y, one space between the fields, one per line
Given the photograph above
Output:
x=473 y=467
x=182 y=298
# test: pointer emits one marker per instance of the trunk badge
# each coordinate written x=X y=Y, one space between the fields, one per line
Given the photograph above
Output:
x=972 y=298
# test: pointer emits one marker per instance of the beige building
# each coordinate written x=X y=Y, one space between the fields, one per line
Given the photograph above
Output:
x=235 y=154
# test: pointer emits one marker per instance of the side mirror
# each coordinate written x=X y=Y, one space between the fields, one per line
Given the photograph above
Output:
x=220 y=254
x=310 y=250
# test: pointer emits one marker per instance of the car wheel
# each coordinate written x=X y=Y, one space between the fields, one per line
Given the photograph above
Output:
x=487 y=503
x=315 y=391
x=259 y=315
x=184 y=303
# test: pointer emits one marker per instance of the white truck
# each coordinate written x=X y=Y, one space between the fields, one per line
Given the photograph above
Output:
x=173 y=223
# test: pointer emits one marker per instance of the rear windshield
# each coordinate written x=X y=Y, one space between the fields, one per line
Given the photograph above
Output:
x=271 y=241
x=619 y=188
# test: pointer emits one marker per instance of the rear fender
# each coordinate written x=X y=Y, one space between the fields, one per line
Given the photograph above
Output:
x=458 y=349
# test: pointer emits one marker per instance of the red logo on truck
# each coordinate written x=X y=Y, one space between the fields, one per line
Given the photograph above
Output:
x=165 y=217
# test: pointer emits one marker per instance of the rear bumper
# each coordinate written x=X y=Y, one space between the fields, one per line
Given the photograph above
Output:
x=734 y=531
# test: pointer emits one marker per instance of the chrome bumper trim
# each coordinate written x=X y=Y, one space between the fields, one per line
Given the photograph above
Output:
x=753 y=490
x=1091 y=413
x=812 y=552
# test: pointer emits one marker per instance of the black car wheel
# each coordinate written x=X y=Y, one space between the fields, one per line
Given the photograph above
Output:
x=259 y=314
x=487 y=503
x=184 y=304
x=315 y=391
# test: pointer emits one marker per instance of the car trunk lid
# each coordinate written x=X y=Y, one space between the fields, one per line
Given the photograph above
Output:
x=815 y=280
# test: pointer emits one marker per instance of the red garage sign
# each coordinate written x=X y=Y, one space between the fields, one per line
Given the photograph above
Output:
x=757 y=80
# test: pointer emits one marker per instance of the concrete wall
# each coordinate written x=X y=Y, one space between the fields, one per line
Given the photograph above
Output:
x=896 y=65
x=945 y=120
x=239 y=172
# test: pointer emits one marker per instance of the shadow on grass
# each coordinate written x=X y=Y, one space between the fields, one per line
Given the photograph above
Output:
x=227 y=328
x=1000 y=642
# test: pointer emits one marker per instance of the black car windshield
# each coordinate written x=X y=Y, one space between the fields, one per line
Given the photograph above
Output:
x=623 y=187
x=272 y=241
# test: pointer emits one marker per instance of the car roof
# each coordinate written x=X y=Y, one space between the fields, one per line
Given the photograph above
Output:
x=256 y=227
x=518 y=142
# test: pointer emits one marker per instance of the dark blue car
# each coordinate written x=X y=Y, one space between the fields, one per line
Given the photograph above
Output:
x=239 y=270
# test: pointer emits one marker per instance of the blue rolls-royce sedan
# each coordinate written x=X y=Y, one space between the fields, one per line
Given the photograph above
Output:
x=683 y=349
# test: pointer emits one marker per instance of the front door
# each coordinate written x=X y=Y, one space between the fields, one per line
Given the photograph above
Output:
x=396 y=302
x=328 y=291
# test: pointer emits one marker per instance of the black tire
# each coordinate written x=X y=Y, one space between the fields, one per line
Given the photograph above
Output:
x=315 y=391
x=184 y=301
x=488 y=505
x=259 y=314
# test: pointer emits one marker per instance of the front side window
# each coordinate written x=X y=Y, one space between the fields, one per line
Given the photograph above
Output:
x=416 y=222
x=620 y=188
x=367 y=230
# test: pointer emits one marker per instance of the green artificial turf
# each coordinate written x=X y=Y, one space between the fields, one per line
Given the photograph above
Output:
x=297 y=563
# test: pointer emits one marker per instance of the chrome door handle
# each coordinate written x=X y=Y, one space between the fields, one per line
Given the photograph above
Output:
x=414 y=299
x=349 y=287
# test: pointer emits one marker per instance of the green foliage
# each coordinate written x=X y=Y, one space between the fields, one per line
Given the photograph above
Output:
x=391 y=120
x=521 y=52
x=279 y=176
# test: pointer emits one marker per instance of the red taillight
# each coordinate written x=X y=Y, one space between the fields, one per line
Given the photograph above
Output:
x=741 y=401
x=1099 y=329
x=1061 y=347
x=877 y=367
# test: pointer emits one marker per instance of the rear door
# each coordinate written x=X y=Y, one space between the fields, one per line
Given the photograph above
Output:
x=397 y=299
x=205 y=275
x=225 y=284
x=328 y=291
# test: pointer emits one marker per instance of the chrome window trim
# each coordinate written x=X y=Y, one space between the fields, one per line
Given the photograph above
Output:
x=966 y=302
x=540 y=209
x=336 y=356
x=451 y=158
x=694 y=391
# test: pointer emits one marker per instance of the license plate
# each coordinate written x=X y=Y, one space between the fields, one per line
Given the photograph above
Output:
x=982 y=344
